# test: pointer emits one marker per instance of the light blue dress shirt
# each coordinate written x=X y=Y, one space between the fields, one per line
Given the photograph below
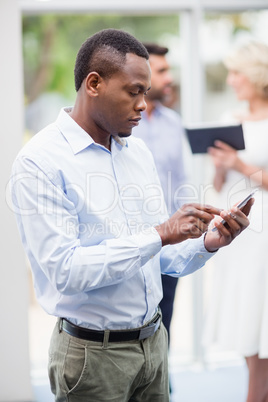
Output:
x=163 y=133
x=86 y=218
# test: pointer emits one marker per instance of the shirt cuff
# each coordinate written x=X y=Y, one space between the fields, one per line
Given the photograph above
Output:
x=201 y=252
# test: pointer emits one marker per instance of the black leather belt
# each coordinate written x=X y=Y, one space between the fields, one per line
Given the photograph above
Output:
x=114 y=336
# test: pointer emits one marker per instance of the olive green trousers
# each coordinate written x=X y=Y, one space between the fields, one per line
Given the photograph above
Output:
x=87 y=371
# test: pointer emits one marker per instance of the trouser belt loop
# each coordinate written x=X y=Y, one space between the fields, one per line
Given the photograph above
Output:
x=105 y=339
x=60 y=324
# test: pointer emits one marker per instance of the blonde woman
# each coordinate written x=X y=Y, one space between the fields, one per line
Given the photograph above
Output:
x=238 y=319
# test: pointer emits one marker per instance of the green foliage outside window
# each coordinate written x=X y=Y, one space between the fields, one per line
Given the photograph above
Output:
x=50 y=44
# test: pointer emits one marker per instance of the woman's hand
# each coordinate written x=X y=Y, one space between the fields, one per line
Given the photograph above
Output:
x=224 y=157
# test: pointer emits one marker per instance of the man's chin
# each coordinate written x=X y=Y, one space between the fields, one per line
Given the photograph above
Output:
x=123 y=135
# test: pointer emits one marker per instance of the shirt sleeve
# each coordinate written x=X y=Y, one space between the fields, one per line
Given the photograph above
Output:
x=43 y=213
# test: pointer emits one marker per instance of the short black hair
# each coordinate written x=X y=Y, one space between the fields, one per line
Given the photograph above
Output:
x=154 y=48
x=105 y=53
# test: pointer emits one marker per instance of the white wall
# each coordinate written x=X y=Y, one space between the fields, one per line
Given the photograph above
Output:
x=14 y=354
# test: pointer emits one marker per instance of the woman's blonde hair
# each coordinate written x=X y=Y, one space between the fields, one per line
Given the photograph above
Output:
x=252 y=61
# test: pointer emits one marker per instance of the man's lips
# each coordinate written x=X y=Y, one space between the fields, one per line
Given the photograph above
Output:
x=135 y=122
x=167 y=90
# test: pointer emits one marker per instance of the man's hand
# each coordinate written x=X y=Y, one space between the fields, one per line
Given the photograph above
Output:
x=236 y=221
x=189 y=222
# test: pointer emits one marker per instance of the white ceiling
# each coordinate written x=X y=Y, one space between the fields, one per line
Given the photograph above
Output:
x=137 y=7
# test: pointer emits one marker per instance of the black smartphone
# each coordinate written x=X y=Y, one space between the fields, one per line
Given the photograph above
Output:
x=240 y=205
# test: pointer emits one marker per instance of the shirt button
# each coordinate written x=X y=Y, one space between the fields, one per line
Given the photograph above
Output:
x=200 y=256
x=149 y=291
x=152 y=256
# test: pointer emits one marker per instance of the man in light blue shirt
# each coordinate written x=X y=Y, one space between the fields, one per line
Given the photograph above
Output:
x=94 y=225
x=161 y=130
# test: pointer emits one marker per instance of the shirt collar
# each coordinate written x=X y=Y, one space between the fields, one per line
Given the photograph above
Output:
x=75 y=135
x=121 y=141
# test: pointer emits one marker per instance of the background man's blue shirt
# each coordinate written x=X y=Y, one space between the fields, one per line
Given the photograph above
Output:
x=164 y=135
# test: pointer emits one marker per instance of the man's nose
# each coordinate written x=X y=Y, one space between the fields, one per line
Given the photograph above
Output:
x=168 y=78
x=141 y=105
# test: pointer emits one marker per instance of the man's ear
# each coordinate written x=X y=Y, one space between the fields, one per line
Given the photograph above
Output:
x=92 y=83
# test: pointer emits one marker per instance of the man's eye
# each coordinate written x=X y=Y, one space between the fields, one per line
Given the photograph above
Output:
x=134 y=93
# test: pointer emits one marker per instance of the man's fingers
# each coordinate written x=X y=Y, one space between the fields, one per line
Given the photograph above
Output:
x=194 y=209
x=246 y=209
x=232 y=222
x=236 y=221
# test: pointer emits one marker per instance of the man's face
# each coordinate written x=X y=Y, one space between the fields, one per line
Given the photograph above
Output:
x=161 y=79
x=122 y=97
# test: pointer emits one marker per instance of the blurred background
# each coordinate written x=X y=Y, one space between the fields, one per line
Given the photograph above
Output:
x=45 y=37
